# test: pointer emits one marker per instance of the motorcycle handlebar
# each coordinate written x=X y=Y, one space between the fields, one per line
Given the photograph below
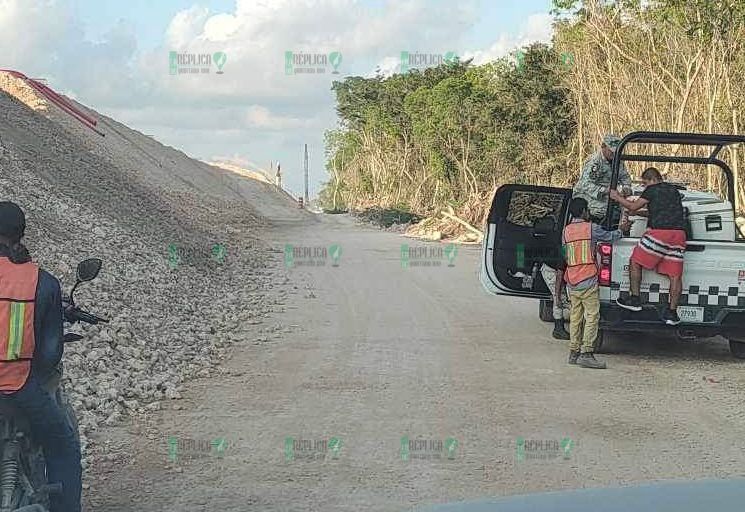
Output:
x=75 y=314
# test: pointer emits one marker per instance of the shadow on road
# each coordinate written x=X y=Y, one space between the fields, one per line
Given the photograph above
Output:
x=668 y=346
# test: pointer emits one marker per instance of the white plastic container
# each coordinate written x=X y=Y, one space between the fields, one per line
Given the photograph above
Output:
x=711 y=219
x=638 y=226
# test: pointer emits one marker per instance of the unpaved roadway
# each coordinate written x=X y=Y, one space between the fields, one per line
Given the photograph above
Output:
x=369 y=351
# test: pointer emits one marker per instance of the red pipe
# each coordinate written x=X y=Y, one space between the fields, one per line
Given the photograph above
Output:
x=58 y=100
x=55 y=99
x=46 y=89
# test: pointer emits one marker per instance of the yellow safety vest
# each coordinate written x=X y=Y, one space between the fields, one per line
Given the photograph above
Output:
x=17 y=341
x=578 y=252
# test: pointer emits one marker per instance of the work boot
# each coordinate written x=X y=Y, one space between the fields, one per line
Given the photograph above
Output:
x=587 y=360
x=573 y=356
x=559 y=332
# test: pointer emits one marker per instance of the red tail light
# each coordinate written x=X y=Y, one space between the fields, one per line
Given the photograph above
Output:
x=606 y=261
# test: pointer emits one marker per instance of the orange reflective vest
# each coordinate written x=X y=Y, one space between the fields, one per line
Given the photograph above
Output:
x=578 y=252
x=17 y=342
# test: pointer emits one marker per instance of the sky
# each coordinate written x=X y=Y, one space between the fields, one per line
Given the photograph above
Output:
x=115 y=57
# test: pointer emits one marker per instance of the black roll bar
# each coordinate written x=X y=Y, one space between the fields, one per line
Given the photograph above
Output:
x=684 y=139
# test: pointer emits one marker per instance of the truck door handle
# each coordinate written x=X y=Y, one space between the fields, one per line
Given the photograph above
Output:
x=695 y=248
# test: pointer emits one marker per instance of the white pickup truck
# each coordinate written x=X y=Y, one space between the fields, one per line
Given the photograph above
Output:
x=524 y=228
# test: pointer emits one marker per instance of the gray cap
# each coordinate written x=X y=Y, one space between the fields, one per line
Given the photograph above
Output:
x=611 y=141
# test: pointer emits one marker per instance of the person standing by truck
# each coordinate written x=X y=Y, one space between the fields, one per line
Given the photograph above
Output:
x=663 y=244
x=580 y=239
x=593 y=185
x=594 y=180
x=553 y=275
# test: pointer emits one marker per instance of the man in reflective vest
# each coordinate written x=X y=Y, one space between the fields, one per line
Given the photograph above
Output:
x=30 y=349
x=581 y=275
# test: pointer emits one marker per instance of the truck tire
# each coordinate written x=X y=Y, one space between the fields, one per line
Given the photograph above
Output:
x=546 y=310
x=599 y=342
x=737 y=348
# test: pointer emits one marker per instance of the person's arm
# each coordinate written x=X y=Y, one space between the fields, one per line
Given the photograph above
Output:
x=631 y=206
x=47 y=323
x=601 y=235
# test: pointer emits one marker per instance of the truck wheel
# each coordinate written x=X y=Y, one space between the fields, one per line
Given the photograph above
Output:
x=546 y=310
x=599 y=341
x=737 y=348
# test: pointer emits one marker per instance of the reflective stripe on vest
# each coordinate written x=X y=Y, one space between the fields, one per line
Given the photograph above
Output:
x=578 y=252
x=17 y=306
x=15 y=336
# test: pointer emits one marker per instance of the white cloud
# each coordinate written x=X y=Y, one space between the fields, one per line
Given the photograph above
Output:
x=537 y=28
x=186 y=26
x=221 y=27
x=387 y=67
x=260 y=117
x=254 y=105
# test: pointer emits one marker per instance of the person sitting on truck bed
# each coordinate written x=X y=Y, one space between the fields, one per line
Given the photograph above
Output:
x=594 y=180
x=580 y=238
x=663 y=244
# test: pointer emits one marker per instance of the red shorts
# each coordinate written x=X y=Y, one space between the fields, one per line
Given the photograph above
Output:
x=661 y=250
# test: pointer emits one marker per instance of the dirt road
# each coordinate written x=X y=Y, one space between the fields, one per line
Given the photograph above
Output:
x=369 y=351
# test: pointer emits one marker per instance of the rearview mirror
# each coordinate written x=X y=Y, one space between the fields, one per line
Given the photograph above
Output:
x=88 y=269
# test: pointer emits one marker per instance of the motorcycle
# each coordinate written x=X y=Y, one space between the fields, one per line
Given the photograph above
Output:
x=23 y=478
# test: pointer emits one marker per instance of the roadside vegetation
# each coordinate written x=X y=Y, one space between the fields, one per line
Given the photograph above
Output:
x=442 y=139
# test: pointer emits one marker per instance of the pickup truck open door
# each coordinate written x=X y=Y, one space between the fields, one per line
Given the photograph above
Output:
x=523 y=232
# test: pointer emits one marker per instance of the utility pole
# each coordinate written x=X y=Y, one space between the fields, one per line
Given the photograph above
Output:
x=305 y=170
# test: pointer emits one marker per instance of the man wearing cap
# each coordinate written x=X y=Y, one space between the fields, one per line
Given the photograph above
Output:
x=30 y=349
x=594 y=181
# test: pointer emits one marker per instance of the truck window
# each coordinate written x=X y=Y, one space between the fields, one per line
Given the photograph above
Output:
x=526 y=207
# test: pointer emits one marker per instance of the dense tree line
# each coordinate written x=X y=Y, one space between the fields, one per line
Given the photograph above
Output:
x=447 y=136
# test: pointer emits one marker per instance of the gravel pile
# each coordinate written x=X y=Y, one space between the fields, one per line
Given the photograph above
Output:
x=170 y=320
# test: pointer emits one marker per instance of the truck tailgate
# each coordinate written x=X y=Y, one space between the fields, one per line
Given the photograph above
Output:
x=713 y=274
